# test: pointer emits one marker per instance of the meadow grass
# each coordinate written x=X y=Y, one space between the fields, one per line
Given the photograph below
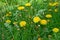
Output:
x=29 y=19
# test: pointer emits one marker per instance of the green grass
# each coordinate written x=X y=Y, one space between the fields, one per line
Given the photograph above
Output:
x=30 y=32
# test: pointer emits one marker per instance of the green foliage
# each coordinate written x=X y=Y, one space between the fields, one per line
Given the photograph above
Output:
x=32 y=31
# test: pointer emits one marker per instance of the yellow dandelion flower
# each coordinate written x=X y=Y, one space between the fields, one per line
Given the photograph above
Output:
x=39 y=38
x=8 y=14
x=21 y=8
x=8 y=21
x=43 y=22
x=55 y=30
x=28 y=4
x=22 y=23
x=36 y=19
x=48 y=16
x=50 y=4
x=56 y=10
x=56 y=3
x=53 y=4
